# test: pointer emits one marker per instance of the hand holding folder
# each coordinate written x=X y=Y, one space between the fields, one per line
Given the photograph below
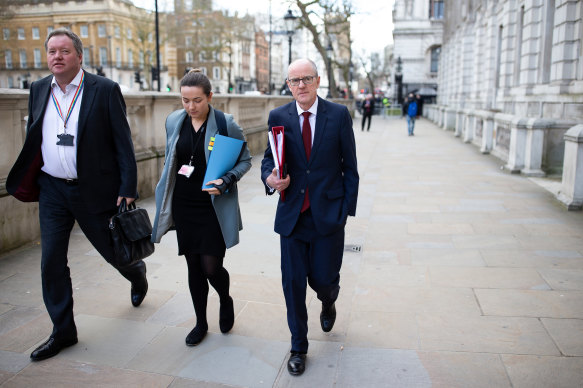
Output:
x=277 y=145
x=225 y=154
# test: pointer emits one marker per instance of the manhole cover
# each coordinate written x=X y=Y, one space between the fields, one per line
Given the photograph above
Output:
x=352 y=248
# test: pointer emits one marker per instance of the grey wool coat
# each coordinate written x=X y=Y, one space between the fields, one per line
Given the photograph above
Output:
x=226 y=205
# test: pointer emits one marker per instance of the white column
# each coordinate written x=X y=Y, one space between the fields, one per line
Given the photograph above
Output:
x=571 y=193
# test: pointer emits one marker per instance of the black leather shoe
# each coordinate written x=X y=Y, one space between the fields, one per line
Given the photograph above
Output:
x=51 y=347
x=328 y=317
x=296 y=365
x=196 y=336
x=139 y=288
x=226 y=315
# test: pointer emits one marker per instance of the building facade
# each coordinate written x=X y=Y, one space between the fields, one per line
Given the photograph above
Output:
x=511 y=78
x=417 y=44
x=118 y=41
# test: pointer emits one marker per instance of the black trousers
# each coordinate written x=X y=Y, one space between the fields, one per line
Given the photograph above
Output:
x=60 y=205
x=309 y=258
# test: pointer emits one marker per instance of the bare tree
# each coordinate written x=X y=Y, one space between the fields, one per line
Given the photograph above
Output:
x=329 y=22
x=374 y=69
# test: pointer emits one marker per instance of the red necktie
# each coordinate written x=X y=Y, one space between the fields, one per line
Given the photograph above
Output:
x=307 y=137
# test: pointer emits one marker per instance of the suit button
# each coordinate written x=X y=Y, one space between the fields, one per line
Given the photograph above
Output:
x=308 y=171
x=302 y=191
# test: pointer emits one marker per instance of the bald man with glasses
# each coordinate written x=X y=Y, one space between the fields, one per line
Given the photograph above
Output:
x=321 y=190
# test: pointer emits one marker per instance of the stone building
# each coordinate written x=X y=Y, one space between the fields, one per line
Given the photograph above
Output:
x=417 y=37
x=511 y=82
x=118 y=40
x=511 y=78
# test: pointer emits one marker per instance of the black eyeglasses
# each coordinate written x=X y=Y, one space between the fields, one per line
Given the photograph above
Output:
x=307 y=80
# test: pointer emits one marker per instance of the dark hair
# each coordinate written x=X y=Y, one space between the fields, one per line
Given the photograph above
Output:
x=195 y=77
x=63 y=31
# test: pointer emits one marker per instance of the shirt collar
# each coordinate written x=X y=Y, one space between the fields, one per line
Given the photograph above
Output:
x=313 y=109
x=74 y=83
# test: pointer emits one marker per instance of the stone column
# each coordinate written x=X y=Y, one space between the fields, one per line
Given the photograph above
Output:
x=487 y=132
x=469 y=127
x=517 y=146
x=533 y=153
x=571 y=193
x=459 y=122
x=449 y=117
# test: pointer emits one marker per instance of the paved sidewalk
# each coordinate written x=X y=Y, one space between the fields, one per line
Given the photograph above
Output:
x=466 y=277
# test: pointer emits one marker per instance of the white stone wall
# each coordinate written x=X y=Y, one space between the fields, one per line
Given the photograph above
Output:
x=520 y=60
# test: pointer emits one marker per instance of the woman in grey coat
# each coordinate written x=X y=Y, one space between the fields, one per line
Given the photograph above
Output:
x=207 y=221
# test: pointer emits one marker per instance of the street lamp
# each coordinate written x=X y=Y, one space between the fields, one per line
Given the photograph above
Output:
x=329 y=50
x=399 y=80
x=290 y=26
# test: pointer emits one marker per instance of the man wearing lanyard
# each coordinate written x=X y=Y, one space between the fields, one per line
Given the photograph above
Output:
x=78 y=162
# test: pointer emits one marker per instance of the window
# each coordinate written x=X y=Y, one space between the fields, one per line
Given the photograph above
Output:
x=23 y=64
x=6 y=33
x=436 y=9
x=141 y=59
x=8 y=56
x=130 y=58
x=118 y=57
x=37 y=60
x=189 y=57
x=216 y=72
x=87 y=56
x=21 y=34
x=35 y=33
x=203 y=70
x=150 y=37
x=188 y=41
x=101 y=30
x=116 y=31
x=201 y=56
x=49 y=30
x=435 y=53
x=84 y=31
x=129 y=33
x=10 y=82
x=102 y=56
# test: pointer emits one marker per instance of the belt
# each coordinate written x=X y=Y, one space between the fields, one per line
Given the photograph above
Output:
x=68 y=181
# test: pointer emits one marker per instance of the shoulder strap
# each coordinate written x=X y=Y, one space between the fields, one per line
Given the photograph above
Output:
x=221 y=123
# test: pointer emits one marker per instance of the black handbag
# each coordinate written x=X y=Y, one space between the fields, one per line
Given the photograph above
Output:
x=130 y=231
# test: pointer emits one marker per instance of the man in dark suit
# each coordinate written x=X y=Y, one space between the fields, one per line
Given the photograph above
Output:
x=78 y=162
x=320 y=192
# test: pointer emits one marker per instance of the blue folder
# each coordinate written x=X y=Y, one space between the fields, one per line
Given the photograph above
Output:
x=223 y=158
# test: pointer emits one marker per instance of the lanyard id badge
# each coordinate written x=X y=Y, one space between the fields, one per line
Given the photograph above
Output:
x=187 y=169
x=66 y=139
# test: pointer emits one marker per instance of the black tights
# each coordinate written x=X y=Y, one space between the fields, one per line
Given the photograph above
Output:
x=200 y=269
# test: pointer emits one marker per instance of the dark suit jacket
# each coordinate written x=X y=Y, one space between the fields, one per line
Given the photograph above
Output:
x=331 y=173
x=106 y=164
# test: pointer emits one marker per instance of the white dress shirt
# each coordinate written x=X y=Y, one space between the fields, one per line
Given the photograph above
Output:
x=313 y=109
x=61 y=161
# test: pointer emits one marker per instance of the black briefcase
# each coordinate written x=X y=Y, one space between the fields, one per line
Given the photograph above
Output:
x=130 y=231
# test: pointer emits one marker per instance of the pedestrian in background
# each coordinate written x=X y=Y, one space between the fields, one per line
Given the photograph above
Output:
x=367 y=111
x=411 y=109
x=321 y=189
x=207 y=221
x=78 y=162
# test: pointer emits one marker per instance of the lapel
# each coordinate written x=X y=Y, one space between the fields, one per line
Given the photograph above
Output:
x=176 y=125
x=295 y=131
x=89 y=91
x=211 y=131
x=321 y=119
x=38 y=114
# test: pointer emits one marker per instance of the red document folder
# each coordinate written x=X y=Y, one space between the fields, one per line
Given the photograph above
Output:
x=277 y=143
